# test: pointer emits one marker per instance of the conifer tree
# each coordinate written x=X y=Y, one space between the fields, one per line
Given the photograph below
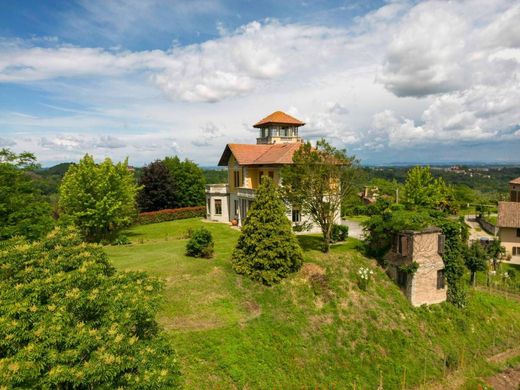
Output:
x=267 y=249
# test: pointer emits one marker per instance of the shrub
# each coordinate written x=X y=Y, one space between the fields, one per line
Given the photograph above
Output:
x=200 y=244
x=267 y=249
x=69 y=320
x=122 y=239
x=339 y=233
x=171 y=214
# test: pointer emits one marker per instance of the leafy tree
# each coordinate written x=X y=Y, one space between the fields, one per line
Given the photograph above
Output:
x=318 y=181
x=476 y=260
x=267 y=249
x=23 y=209
x=421 y=190
x=188 y=180
x=158 y=188
x=200 y=244
x=100 y=199
x=68 y=319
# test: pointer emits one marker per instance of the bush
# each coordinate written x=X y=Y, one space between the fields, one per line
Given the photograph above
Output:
x=70 y=320
x=171 y=214
x=200 y=244
x=339 y=233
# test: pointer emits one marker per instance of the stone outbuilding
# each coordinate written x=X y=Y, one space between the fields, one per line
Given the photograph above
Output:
x=415 y=264
x=509 y=221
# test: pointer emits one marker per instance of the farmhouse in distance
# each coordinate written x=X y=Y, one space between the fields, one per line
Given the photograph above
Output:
x=248 y=163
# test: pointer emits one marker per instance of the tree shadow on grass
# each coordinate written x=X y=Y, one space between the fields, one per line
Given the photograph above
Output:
x=308 y=242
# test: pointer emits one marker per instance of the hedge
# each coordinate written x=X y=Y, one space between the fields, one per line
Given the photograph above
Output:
x=171 y=214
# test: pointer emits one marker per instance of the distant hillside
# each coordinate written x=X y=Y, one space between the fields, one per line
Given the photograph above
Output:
x=56 y=170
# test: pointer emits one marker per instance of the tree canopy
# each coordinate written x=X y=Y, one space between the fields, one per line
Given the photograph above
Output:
x=100 y=199
x=23 y=209
x=68 y=319
x=158 y=188
x=317 y=181
x=421 y=189
x=171 y=183
x=267 y=249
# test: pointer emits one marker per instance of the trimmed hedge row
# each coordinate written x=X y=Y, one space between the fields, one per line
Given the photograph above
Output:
x=171 y=214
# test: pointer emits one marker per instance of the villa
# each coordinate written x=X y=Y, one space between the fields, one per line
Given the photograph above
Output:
x=248 y=163
x=509 y=221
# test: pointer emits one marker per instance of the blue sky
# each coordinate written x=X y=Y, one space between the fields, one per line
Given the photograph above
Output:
x=390 y=81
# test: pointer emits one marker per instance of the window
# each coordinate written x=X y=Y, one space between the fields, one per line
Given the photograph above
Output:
x=237 y=178
x=402 y=245
x=441 y=244
x=402 y=278
x=296 y=215
x=271 y=174
x=516 y=251
x=260 y=174
x=441 y=280
x=218 y=206
x=518 y=232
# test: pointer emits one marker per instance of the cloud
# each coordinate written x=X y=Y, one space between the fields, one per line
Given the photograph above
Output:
x=211 y=71
x=4 y=142
x=209 y=132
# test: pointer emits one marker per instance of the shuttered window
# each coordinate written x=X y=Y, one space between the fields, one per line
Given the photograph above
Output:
x=237 y=178
x=442 y=240
x=441 y=279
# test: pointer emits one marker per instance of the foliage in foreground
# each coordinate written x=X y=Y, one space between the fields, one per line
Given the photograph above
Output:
x=100 y=199
x=23 y=209
x=200 y=243
x=267 y=249
x=68 y=319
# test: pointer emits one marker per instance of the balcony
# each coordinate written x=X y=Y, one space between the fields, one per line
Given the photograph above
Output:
x=244 y=192
x=214 y=189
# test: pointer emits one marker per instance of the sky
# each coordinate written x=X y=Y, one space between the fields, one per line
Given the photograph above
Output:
x=390 y=81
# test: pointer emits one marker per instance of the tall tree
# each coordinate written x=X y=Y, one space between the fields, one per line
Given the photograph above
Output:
x=317 y=181
x=69 y=320
x=267 y=249
x=422 y=190
x=476 y=260
x=23 y=209
x=189 y=182
x=100 y=199
x=158 y=188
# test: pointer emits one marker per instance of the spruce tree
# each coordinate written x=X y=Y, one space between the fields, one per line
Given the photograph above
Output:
x=267 y=249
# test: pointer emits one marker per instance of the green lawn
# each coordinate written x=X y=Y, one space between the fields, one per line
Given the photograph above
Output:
x=309 y=330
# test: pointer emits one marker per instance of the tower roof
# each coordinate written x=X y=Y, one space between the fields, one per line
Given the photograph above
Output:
x=515 y=181
x=278 y=117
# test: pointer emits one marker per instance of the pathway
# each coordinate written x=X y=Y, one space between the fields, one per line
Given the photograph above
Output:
x=355 y=229
x=475 y=231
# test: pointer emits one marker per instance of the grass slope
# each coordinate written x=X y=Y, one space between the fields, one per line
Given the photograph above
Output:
x=308 y=331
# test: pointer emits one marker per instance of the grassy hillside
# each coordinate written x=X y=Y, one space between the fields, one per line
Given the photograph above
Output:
x=315 y=328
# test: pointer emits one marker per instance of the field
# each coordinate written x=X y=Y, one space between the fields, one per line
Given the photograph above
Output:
x=317 y=328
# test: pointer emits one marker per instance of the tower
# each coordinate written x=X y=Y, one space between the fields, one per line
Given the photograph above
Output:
x=278 y=128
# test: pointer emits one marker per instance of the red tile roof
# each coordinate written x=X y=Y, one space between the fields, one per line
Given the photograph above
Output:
x=509 y=214
x=515 y=181
x=251 y=154
x=279 y=117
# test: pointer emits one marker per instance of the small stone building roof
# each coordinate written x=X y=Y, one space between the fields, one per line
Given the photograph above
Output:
x=509 y=214
x=515 y=181
x=259 y=154
x=279 y=118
